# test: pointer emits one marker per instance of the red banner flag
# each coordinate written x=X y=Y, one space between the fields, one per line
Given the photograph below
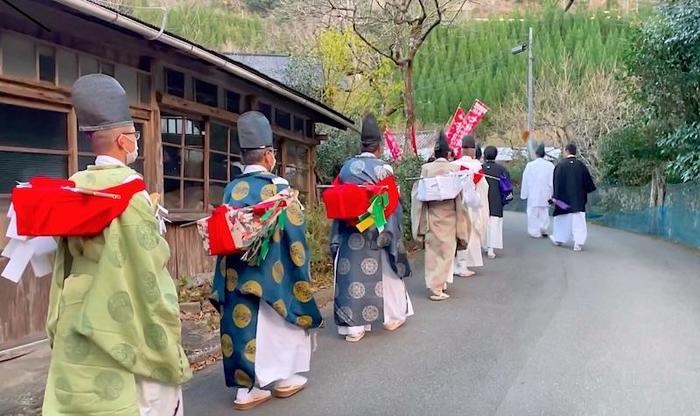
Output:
x=414 y=146
x=393 y=145
x=463 y=124
x=453 y=136
x=476 y=113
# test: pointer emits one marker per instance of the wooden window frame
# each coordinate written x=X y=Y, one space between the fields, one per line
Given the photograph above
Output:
x=181 y=213
x=71 y=135
x=228 y=153
x=285 y=141
x=194 y=91
x=37 y=46
x=78 y=55
x=279 y=113
x=182 y=148
x=167 y=68
x=240 y=99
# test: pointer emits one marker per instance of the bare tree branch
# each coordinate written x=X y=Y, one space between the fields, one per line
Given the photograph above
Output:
x=371 y=45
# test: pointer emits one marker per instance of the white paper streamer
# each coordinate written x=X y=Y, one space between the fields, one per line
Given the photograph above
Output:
x=23 y=250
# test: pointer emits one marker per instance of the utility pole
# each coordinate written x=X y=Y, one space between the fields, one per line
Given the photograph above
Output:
x=531 y=145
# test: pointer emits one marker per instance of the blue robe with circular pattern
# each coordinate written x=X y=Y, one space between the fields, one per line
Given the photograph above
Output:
x=282 y=280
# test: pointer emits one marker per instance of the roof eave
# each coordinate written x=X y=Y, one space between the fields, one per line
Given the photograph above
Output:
x=149 y=32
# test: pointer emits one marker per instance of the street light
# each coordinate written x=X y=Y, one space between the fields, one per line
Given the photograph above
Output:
x=519 y=49
x=530 y=91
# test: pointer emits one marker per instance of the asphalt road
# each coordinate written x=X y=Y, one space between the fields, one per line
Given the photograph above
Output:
x=612 y=330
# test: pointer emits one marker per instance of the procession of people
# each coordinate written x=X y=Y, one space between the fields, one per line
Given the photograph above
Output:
x=114 y=318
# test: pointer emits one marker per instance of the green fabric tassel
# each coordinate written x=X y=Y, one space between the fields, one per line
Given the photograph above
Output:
x=282 y=221
x=376 y=210
x=377 y=206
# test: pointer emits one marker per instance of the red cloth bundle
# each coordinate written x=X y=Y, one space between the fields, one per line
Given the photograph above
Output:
x=232 y=231
x=348 y=201
x=220 y=238
x=56 y=208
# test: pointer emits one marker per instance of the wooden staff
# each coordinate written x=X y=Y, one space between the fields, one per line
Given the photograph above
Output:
x=417 y=178
x=330 y=186
x=188 y=224
x=95 y=193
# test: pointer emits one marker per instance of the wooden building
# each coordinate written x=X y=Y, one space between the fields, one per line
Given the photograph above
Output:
x=185 y=100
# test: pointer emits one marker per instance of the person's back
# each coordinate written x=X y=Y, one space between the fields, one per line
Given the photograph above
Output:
x=367 y=258
x=493 y=174
x=572 y=184
x=442 y=225
x=265 y=300
x=537 y=183
x=113 y=318
x=494 y=170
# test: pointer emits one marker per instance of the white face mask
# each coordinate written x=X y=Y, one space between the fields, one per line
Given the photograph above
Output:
x=132 y=156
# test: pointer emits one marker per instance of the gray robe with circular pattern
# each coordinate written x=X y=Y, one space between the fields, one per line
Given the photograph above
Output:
x=359 y=266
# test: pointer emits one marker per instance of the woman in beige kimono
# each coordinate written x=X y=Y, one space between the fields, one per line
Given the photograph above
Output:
x=440 y=224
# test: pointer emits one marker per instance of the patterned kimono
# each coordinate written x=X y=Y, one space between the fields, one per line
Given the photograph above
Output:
x=366 y=261
x=114 y=318
x=246 y=295
x=442 y=226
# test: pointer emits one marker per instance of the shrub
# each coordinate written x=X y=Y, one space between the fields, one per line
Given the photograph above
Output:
x=406 y=169
x=318 y=229
x=332 y=153
x=629 y=156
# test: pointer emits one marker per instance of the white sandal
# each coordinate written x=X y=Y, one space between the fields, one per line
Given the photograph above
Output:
x=282 y=391
x=255 y=398
x=355 y=338
x=394 y=325
x=437 y=297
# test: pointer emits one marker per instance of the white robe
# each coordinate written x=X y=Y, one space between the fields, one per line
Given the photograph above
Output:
x=479 y=217
x=537 y=221
x=494 y=234
x=537 y=188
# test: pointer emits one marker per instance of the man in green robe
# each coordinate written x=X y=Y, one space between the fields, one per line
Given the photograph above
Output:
x=267 y=307
x=113 y=318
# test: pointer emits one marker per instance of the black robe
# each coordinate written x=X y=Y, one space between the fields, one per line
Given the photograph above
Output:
x=495 y=201
x=572 y=184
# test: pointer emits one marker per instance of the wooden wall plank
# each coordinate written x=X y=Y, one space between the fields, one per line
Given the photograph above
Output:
x=171 y=238
x=23 y=305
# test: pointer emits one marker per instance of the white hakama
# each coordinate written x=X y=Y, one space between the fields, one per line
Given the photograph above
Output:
x=537 y=221
x=471 y=257
x=396 y=302
x=158 y=399
x=282 y=349
x=494 y=233
x=568 y=227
